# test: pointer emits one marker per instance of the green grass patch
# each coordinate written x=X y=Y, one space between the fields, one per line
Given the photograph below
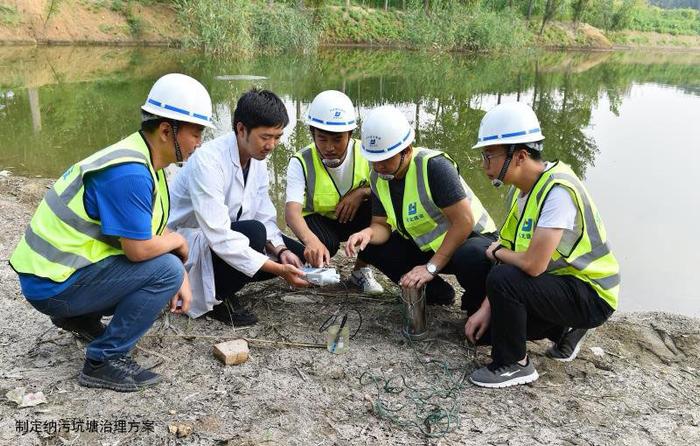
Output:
x=9 y=15
x=247 y=27
x=450 y=28
x=668 y=21
x=617 y=15
x=242 y=27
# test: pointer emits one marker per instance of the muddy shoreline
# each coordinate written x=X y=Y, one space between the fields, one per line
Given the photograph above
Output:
x=643 y=390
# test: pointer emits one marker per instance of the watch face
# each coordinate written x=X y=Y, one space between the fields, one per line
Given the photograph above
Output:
x=431 y=268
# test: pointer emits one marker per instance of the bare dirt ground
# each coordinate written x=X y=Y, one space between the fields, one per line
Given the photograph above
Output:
x=643 y=390
x=86 y=22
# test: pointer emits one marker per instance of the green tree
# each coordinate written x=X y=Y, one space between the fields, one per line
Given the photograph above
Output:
x=578 y=7
x=550 y=10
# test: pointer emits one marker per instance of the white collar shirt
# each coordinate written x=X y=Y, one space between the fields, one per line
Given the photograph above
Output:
x=206 y=196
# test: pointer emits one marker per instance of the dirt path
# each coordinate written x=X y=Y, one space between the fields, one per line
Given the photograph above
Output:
x=643 y=390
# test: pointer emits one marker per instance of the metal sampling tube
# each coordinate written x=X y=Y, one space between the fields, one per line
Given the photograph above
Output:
x=415 y=319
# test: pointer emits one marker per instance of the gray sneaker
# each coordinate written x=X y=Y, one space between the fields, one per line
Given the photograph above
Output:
x=504 y=376
x=121 y=374
x=568 y=346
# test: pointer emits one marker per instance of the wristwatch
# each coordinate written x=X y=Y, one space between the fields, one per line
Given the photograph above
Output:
x=431 y=267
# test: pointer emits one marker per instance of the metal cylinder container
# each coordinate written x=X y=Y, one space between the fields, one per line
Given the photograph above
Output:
x=415 y=319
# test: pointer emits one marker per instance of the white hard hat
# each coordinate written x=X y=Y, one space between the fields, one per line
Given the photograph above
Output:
x=332 y=111
x=511 y=123
x=181 y=98
x=385 y=132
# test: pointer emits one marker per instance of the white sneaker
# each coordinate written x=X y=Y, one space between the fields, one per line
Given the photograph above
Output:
x=364 y=279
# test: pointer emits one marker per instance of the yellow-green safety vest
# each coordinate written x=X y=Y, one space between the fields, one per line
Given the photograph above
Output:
x=61 y=237
x=590 y=259
x=322 y=194
x=423 y=220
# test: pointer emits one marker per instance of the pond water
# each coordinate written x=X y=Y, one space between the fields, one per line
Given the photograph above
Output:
x=628 y=123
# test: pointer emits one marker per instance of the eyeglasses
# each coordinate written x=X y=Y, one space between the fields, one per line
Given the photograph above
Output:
x=487 y=157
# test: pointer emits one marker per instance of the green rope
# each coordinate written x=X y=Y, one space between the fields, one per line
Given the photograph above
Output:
x=435 y=407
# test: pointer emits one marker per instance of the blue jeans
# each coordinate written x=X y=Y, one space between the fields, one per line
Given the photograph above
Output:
x=134 y=293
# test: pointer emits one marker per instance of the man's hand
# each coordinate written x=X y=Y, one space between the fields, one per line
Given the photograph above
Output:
x=358 y=240
x=348 y=205
x=293 y=276
x=489 y=251
x=478 y=323
x=317 y=254
x=287 y=257
x=180 y=302
x=416 y=278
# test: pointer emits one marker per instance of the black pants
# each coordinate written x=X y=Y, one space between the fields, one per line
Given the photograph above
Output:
x=227 y=279
x=525 y=307
x=469 y=264
x=332 y=232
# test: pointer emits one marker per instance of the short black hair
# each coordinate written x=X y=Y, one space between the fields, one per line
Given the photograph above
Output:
x=533 y=153
x=260 y=108
x=150 y=122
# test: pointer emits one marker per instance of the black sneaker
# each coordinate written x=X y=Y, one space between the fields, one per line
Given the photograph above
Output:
x=568 y=346
x=86 y=327
x=233 y=314
x=439 y=292
x=120 y=374
x=496 y=377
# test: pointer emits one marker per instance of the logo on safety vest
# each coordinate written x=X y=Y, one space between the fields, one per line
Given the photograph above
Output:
x=525 y=233
x=412 y=208
x=65 y=175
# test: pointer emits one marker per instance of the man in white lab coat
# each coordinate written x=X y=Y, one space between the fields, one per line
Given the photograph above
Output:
x=221 y=205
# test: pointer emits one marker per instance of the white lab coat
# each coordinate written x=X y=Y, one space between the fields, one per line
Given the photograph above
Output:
x=205 y=196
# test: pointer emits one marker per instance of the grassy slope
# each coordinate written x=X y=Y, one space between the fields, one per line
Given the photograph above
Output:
x=153 y=22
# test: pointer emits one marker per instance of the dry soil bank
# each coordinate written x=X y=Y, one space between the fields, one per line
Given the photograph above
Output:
x=644 y=389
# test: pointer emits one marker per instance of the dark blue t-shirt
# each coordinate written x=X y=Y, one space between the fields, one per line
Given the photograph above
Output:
x=121 y=198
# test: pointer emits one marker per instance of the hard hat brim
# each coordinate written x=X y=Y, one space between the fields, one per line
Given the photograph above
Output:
x=333 y=128
x=534 y=137
x=169 y=114
x=373 y=157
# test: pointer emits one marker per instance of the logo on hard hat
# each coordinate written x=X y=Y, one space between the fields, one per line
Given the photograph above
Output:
x=337 y=112
x=373 y=140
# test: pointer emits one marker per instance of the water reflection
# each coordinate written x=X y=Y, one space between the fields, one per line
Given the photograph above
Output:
x=57 y=105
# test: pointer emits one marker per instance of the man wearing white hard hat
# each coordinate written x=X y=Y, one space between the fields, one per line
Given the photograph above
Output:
x=426 y=220
x=555 y=276
x=222 y=206
x=328 y=186
x=98 y=244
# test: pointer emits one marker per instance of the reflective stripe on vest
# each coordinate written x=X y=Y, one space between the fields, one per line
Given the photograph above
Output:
x=590 y=259
x=322 y=194
x=62 y=237
x=428 y=231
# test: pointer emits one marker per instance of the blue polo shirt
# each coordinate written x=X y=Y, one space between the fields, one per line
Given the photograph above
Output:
x=121 y=198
